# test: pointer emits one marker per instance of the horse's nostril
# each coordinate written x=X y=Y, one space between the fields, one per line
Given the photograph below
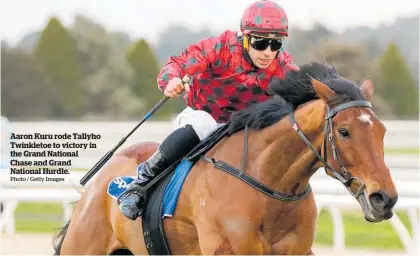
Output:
x=381 y=202
x=376 y=199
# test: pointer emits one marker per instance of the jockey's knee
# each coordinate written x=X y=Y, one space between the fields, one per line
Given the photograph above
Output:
x=204 y=124
x=201 y=121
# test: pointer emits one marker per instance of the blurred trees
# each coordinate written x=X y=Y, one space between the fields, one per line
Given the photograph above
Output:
x=301 y=42
x=56 y=53
x=349 y=59
x=26 y=90
x=3 y=44
x=145 y=68
x=106 y=75
x=399 y=87
x=353 y=63
x=85 y=71
x=174 y=39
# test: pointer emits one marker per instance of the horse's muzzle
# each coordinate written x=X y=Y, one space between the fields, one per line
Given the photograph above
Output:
x=382 y=204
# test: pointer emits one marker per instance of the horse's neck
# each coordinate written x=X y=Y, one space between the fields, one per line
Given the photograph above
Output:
x=286 y=163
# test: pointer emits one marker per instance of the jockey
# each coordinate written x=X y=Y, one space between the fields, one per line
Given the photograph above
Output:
x=228 y=73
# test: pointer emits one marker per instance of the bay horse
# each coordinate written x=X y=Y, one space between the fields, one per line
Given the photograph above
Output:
x=330 y=124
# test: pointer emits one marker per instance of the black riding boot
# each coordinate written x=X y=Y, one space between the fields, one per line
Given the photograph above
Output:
x=175 y=146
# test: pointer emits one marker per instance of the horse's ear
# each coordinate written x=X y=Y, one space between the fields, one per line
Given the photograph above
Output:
x=367 y=88
x=324 y=92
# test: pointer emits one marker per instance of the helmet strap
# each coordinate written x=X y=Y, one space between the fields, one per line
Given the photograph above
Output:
x=245 y=42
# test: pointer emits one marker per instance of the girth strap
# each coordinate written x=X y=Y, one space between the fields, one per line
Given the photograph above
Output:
x=255 y=183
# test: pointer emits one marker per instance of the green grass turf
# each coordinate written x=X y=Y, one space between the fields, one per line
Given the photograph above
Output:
x=47 y=218
x=360 y=233
x=402 y=151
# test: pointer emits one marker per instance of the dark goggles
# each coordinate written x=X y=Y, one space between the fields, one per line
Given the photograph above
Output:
x=260 y=43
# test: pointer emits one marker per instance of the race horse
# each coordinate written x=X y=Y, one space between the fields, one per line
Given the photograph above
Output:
x=250 y=193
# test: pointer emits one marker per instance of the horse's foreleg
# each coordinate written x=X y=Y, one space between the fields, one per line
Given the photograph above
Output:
x=212 y=242
x=90 y=231
x=83 y=241
x=310 y=252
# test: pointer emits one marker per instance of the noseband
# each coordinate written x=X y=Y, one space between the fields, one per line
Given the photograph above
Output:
x=344 y=177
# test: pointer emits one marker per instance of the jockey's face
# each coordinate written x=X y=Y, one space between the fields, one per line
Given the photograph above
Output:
x=263 y=51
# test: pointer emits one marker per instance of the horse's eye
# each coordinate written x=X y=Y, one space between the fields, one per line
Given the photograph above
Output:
x=344 y=133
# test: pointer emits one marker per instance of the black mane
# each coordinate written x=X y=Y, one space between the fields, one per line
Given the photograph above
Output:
x=291 y=92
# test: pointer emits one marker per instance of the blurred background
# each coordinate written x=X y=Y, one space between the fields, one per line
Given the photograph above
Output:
x=91 y=66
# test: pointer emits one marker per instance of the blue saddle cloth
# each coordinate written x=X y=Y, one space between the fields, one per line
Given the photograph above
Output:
x=170 y=198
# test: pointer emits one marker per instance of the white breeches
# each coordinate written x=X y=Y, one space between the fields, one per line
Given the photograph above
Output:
x=202 y=122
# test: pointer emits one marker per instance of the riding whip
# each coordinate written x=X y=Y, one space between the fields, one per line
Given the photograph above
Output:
x=108 y=155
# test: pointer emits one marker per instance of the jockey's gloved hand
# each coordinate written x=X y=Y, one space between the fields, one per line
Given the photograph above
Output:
x=175 y=87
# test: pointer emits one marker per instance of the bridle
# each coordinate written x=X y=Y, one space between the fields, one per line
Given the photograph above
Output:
x=345 y=176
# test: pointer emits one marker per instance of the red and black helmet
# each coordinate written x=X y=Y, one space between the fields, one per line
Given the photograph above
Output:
x=265 y=18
